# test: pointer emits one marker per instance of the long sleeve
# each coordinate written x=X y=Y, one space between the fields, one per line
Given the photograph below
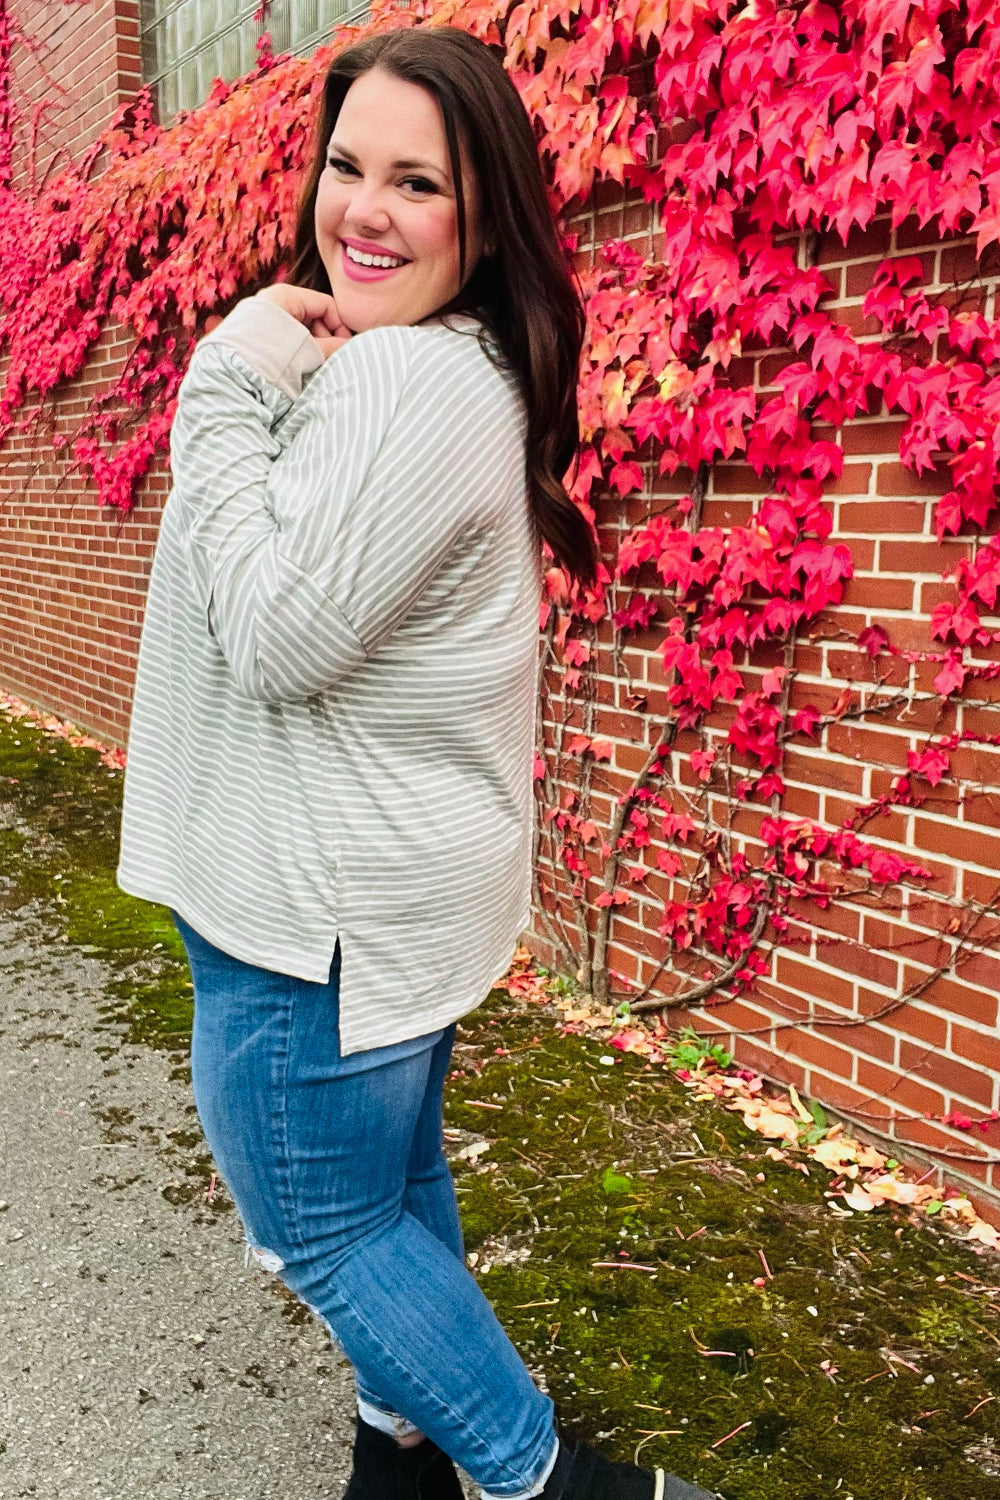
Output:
x=346 y=762
x=307 y=550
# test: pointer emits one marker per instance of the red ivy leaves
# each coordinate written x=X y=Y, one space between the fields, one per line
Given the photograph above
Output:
x=781 y=119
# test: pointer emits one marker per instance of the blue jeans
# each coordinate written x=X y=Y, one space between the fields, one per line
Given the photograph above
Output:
x=336 y=1165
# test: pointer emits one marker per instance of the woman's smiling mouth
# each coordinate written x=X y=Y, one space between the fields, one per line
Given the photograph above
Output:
x=363 y=264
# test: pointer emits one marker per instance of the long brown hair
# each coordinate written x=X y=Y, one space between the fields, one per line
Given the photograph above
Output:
x=524 y=292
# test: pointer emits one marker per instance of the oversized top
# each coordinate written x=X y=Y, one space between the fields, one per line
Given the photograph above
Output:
x=334 y=708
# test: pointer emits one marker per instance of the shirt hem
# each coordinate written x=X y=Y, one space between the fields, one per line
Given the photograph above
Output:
x=430 y=1019
x=282 y=964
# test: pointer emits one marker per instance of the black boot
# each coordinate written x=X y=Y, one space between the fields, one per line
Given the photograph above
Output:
x=385 y=1471
x=582 y=1474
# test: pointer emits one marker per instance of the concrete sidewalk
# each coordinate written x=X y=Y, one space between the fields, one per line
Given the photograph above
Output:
x=138 y=1357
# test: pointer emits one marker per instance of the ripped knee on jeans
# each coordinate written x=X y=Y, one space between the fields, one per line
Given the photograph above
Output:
x=269 y=1259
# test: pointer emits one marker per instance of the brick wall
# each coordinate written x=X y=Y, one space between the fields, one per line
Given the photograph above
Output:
x=83 y=63
x=829 y=1019
x=72 y=580
x=855 y=1012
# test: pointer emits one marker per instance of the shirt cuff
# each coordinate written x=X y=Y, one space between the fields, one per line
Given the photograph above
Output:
x=276 y=345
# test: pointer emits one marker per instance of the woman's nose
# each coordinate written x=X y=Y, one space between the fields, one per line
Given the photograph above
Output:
x=366 y=209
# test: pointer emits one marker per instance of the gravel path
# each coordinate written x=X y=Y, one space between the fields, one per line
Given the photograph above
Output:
x=138 y=1356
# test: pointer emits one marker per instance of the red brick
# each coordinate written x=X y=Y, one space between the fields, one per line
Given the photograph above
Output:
x=914 y=1021
x=894 y=479
x=820 y=1053
x=959 y=263
x=855 y=959
x=810 y=980
x=980 y=969
x=800 y=802
x=738 y=479
x=861 y=592
x=772 y=365
x=848 y=665
x=870 y=1040
x=875 y=517
x=860 y=741
x=778 y=1067
x=727 y=512
x=734 y=1017
x=808 y=663
x=834 y=1094
x=990 y=1211
x=911 y=234
x=835 y=277
x=814 y=770
x=622 y=963
x=868 y=436
x=792 y=1008
x=975 y=763
x=753 y=1055
x=902 y=941
x=978 y=1170
x=858 y=279
x=976 y=1046
x=857 y=323
x=898 y=1092
x=979 y=887
x=926 y=1133
x=840 y=918
x=926 y=910
x=909 y=558
x=873 y=240
x=854 y=480
x=631 y=758
x=969 y=845
x=956 y=996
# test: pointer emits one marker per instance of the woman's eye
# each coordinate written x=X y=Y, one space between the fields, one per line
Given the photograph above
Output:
x=347 y=169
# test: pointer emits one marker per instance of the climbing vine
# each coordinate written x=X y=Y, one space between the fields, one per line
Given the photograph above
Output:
x=755 y=133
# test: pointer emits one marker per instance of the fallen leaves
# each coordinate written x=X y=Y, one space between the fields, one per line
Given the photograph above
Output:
x=523 y=981
x=472 y=1152
x=805 y=1137
x=773 y=1124
x=13 y=708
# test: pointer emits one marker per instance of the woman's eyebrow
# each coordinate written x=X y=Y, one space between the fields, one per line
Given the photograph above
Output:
x=407 y=165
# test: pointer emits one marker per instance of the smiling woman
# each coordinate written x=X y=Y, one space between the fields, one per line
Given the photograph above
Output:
x=386 y=207
x=329 y=770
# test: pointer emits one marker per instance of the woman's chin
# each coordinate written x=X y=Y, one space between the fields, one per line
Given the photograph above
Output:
x=375 y=306
x=363 y=313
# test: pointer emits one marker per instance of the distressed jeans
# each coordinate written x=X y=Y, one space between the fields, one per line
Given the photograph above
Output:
x=336 y=1166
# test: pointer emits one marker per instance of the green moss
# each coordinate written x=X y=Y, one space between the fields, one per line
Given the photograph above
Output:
x=812 y=1385
x=820 y=1375
x=60 y=813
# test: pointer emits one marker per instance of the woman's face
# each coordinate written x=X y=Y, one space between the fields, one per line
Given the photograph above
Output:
x=387 y=192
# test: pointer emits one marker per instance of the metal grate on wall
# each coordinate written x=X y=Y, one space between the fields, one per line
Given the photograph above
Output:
x=188 y=43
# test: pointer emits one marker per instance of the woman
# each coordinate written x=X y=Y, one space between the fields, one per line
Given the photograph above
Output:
x=329 y=762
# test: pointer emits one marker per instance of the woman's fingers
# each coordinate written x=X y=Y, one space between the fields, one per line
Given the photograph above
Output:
x=321 y=330
x=305 y=305
x=319 y=307
x=317 y=310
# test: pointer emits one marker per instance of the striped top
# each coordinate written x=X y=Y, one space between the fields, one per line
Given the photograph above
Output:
x=333 y=717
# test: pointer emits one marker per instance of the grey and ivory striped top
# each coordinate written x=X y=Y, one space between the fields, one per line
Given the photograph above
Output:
x=334 y=708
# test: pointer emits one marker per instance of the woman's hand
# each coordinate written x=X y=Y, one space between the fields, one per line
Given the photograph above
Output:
x=317 y=310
